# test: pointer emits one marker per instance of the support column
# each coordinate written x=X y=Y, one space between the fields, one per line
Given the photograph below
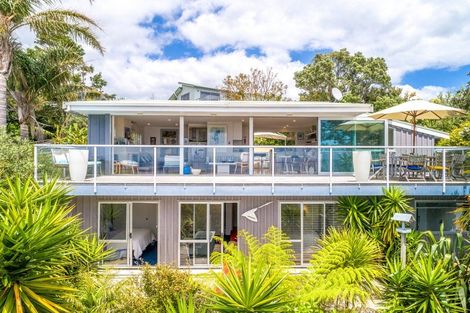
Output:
x=251 y=141
x=181 y=143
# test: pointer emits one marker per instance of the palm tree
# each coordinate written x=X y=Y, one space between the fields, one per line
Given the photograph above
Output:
x=16 y=14
x=43 y=74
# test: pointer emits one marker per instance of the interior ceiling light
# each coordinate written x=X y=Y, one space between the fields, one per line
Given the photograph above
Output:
x=294 y=121
x=148 y=124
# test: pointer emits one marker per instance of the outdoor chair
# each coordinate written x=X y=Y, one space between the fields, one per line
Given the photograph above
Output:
x=436 y=166
x=243 y=163
x=414 y=167
x=459 y=168
x=60 y=160
x=377 y=167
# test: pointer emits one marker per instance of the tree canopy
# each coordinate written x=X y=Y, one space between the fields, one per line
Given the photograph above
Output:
x=257 y=85
x=360 y=78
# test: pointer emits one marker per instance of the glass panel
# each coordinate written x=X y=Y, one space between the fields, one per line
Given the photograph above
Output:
x=348 y=133
x=119 y=255
x=187 y=222
x=430 y=215
x=262 y=161
x=113 y=221
x=168 y=160
x=312 y=228
x=197 y=160
x=132 y=160
x=200 y=254
x=331 y=218
x=200 y=225
x=291 y=220
x=186 y=254
x=297 y=246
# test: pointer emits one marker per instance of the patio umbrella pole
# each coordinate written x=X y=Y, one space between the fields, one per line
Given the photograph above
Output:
x=414 y=134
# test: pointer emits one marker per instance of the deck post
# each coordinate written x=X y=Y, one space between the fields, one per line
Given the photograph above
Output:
x=387 y=166
x=155 y=170
x=251 y=144
x=331 y=170
x=444 y=171
x=214 y=168
x=272 y=170
x=94 y=168
x=181 y=143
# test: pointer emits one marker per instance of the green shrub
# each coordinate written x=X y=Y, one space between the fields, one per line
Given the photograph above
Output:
x=164 y=284
x=16 y=156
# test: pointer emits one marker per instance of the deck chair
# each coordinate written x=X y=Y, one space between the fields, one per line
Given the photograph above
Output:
x=415 y=167
x=61 y=160
x=436 y=166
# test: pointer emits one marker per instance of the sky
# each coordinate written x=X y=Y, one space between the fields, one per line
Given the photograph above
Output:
x=151 y=45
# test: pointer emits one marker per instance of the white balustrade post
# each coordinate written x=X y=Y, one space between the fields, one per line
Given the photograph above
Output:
x=251 y=143
x=444 y=171
x=272 y=170
x=331 y=169
x=94 y=168
x=387 y=166
x=155 y=170
x=214 y=168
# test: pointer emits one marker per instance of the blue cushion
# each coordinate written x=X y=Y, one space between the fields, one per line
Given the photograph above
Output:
x=414 y=167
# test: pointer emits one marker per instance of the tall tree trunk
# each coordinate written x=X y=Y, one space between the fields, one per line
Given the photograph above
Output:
x=6 y=52
x=24 y=130
x=3 y=100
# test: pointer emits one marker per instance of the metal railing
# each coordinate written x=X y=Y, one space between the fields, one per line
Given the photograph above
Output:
x=323 y=164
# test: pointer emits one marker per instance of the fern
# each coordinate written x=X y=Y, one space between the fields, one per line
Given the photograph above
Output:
x=346 y=271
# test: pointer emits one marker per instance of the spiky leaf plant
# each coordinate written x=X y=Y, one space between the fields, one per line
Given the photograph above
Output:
x=246 y=288
x=38 y=240
x=354 y=211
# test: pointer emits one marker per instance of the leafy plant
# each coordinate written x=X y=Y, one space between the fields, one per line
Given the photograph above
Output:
x=246 y=288
x=183 y=306
x=164 y=285
x=435 y=279
x=38 y=236
x=463 y=216
x=346 y=270
x=16 y=156
x=354 y=211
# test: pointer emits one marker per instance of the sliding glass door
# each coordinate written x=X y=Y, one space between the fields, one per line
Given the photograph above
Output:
x=305 y=223
x=130 y=229
x=114 y=230
x=199 y=224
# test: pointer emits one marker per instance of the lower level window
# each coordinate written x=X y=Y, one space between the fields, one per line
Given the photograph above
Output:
x=305 y=223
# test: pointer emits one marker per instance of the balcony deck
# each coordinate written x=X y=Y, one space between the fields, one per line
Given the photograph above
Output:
x=288 y=171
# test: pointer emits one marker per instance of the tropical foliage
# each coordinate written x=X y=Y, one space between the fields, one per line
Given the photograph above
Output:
x=42 y=247
x=16 y=157
x=374 y=215
x=346 y=271
x=56 y=25
x=435 y=280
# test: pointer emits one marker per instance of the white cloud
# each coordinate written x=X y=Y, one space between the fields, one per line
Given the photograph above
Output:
x=426 y=92
x=409 y=34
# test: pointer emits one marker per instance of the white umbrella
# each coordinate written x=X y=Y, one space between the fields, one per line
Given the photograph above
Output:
x=414 y=110
x=270 y=135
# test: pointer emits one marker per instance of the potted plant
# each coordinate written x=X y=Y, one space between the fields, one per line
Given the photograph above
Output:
x=78 y=164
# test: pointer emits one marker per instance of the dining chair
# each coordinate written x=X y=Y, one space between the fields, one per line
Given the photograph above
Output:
x=415 y=167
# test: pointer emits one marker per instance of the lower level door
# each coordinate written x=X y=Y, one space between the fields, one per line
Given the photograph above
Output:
x=114 y=229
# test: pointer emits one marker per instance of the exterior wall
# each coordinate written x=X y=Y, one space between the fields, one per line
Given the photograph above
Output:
x=168 y=226
x=404 y=137
x=99 y=129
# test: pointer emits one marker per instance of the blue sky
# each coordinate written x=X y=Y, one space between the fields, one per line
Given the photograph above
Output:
x=151 y=45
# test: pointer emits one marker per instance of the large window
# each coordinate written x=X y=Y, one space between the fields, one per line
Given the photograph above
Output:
x=200 y=223
x=431 y=215
x=348 y=133
x=305 y=223
x=210 y=96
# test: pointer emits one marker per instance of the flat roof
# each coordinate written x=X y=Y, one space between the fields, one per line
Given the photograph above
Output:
x=219 y=108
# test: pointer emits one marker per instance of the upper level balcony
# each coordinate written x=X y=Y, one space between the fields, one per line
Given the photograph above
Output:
x=254 y=170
